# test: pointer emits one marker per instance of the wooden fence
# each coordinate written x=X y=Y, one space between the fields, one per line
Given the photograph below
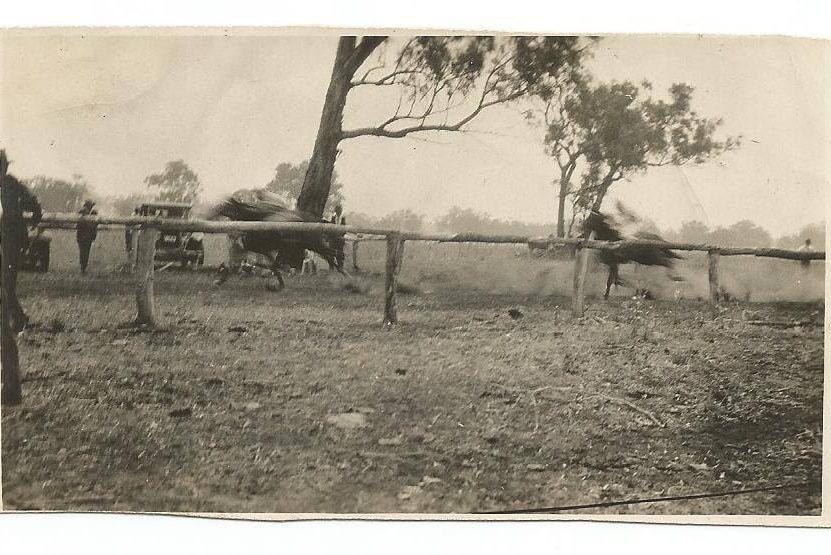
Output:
x=395 y=240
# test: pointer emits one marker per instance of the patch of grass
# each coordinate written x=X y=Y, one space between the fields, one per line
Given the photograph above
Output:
x=498 y=412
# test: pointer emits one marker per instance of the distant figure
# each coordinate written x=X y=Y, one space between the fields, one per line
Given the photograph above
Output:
x=339 y=241
x=86 y=232
x=236 y=252
x=309 y=264
x=128 y=236
x=336 y=218
x=340 y=246
x=806 y=264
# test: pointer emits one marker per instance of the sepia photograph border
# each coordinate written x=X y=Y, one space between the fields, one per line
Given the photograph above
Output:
x=330 y=30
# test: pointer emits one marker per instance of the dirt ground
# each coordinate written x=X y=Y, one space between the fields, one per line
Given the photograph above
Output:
x=302 y=401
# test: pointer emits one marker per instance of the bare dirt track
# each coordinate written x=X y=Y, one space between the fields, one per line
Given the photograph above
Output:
x=301 y=401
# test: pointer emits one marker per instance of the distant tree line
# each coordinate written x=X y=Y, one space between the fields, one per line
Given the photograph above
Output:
x=456 y=220
x=178 y=183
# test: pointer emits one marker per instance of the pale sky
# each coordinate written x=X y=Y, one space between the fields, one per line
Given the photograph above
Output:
x=117 y=108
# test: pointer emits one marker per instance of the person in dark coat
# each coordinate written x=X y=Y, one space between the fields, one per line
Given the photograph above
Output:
x=339 y=241
x=805 y=263
x=22 y=200
x=128 y=235
x=86 y=232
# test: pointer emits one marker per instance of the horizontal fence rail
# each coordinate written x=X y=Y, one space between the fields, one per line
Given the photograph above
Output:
x=364 y=233
x=150 y=226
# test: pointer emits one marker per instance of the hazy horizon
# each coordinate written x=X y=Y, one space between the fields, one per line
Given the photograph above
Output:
x=116 y=109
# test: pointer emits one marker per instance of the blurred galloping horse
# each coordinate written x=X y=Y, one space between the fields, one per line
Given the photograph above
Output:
x=281 y=248
x=606 y=228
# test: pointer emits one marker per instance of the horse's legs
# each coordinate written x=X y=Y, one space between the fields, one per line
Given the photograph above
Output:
x=333 y=266
x=275 y=269
x=641 y=285
x=609 y=281
x=224 y=273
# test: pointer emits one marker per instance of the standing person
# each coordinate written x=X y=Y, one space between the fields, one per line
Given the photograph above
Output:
x=86 y=232
x=20 y=199
x=340 y=241
x=806 y=248
x=336 y=217
x=236 y=251
x=128 y=237
x=341 y=246
x=309 y=264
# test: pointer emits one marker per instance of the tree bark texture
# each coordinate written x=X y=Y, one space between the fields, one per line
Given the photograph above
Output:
x=318 y=178
x=566 y=172
x=561 y=208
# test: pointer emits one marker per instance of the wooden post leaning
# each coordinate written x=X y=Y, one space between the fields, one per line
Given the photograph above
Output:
x=395 y=250
x=712 y=272
x=144 y=276
x=581 y=264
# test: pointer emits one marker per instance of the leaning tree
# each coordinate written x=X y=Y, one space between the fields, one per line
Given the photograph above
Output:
x=616 y=130
x=443 y=84
x=630 y=132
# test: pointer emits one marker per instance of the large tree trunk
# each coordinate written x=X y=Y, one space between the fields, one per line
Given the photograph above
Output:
x=598 y=200
x=566 y=171
x=316 y=185
x=603 y=188
x=561 y=208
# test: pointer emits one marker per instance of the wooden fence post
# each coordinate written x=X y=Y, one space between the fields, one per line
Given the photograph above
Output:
x=581 y=264
x=712 y=258
x=395 y=249
x=144 y=274
x=355 y=255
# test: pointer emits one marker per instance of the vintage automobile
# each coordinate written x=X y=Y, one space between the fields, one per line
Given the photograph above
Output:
x=186 y=248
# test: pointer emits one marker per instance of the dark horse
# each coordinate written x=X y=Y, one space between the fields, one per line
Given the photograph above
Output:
x=604 y=229
x=282 y=248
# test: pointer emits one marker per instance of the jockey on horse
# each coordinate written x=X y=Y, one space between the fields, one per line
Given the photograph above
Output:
x=605 y=228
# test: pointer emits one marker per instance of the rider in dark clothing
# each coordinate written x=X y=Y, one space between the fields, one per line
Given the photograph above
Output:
x=86 y=232
x=21 y=200
x=128 y=234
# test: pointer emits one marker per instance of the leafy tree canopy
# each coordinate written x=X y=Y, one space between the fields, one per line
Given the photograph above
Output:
x=288 y=182
x=58 y=195
x=177 y=183
x=442 y=83
x=613 y=131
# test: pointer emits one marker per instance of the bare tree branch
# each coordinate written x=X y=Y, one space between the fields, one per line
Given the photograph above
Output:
x=399 y=133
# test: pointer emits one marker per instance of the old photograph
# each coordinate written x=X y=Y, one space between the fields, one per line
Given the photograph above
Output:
x=304 y=271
